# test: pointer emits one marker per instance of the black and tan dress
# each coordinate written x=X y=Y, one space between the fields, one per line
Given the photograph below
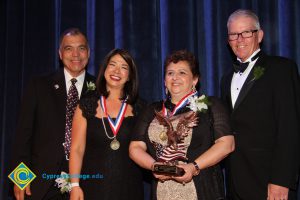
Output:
x=208 y=185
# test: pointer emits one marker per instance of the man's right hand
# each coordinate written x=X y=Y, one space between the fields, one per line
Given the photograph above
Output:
x=20 y=194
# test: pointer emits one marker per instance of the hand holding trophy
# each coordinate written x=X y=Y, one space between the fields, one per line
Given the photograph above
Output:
x=168 y=165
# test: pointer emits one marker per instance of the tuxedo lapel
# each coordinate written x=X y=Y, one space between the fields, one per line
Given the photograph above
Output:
x=250 y=81
x=228 y=90
x=245 y=89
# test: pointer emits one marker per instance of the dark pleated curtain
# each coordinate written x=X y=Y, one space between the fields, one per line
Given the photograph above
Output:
x=150 y=30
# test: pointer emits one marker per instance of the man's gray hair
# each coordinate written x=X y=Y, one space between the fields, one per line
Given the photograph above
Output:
x=244 y=13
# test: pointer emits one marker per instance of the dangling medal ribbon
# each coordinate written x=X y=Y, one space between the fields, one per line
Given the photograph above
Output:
x=179 y=105
x=183 y=102
x=114 y=125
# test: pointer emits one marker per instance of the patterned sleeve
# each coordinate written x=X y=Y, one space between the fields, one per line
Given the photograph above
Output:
x=220 y=115
x=138 y=107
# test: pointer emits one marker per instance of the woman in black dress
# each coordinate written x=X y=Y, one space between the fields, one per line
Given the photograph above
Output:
x=186 y=131
x=101 y=133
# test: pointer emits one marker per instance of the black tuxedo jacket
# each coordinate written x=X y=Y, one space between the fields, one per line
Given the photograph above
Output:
x=41 y=129
x=265 y=124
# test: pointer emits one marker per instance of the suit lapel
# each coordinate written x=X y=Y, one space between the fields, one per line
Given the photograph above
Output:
x=87 y=78
x=58 y=85
x=60 y=94
x=250 y=81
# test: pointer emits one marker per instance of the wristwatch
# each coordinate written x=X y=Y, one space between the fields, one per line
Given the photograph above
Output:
x=197 y=168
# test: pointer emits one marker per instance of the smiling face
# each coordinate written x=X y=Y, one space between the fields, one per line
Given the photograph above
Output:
x=116 y=73
x=243 y=48
x=179 y=80
x=74 y=53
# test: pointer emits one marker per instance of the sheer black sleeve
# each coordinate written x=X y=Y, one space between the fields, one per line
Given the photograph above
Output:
x=88 y=104
x=143 y=121
x=138 y=107
x=220 y=118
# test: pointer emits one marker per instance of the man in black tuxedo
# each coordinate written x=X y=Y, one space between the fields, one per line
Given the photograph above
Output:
x=42 y=124
x=263 y=96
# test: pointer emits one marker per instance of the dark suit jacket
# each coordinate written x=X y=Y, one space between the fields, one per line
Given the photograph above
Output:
x=264 y=121
x=41 y=129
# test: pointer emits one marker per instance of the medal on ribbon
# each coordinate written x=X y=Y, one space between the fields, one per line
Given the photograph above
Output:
x=182 y=103
x=114 y=124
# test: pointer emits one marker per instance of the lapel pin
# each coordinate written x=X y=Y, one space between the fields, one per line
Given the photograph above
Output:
x=56 y=86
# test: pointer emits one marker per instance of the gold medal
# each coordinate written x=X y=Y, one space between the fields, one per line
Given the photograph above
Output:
x=163 y=136
x=114 y=124
x=115 y=144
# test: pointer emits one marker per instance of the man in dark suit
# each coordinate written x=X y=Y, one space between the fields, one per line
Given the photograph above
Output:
x=263 y=96
x=42 y=124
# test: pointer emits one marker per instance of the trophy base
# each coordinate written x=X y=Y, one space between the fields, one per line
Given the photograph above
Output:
x=170 y=170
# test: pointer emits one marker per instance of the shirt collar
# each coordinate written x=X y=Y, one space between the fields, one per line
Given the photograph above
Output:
x=68 y=77
x=249 y=59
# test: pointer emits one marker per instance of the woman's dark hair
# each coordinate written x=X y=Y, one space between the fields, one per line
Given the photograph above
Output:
x=131 y=86
x=184 y=55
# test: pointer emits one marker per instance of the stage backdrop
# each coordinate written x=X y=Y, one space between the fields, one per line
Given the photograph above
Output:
x=149 y=29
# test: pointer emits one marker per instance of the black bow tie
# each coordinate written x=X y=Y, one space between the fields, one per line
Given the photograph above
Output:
x=240 y=67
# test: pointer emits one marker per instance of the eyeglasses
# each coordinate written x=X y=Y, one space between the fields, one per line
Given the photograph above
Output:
x=244 y=34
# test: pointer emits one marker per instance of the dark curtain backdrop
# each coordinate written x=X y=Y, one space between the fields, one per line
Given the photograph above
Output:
x=149 y=29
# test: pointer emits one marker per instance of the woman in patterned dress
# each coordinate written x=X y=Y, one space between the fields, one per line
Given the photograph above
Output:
x=185 y=130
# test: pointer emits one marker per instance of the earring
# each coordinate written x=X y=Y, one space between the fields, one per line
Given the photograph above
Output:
x=166 y=91
x=194 y=88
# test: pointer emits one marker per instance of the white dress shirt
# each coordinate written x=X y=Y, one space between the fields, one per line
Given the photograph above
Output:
x=78 y=84
x=239 y=78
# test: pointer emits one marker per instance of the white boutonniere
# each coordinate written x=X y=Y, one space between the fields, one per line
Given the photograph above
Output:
x=198 y=104
x=64 y=182
x=90 y=86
